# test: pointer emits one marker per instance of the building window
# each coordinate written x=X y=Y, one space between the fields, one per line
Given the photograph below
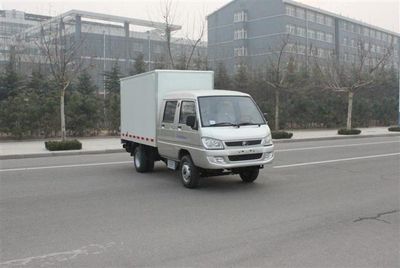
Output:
x=329 y=38
x=329 y=21
x=320 y=52
x=394 y=40
x=378 y=35
x=345 y=41
x=351 y=29
x=320 y=36
x=344 y=25
x=320 y=19
x=301 y=31
x=240 y=51
x=311 y=34
x=291 y=29
x=384 y=37
x=353 y=43
x=311 y=16
x=290 y=10
x=366 y=31
x=157 y=49
x=300 y=13
x=240 y=16
x=372 y=33
x=138 y=47
x=240 y=34
x=301 y=49
x=373 y=48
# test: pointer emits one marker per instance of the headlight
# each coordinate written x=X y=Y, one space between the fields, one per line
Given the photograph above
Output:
x=212 y=144
x=267 y=140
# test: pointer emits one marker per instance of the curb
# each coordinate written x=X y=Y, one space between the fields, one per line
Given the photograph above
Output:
x=108 y=151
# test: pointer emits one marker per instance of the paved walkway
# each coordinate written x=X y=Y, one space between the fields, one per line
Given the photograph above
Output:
x=35 y=148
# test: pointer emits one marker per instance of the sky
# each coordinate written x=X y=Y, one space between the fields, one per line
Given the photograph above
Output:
x=191 y=13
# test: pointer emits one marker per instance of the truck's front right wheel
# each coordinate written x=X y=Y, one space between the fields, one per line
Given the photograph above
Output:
x=142 y=159
x=190 y=174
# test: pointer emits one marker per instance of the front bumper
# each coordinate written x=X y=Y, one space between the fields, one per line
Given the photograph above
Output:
x=233 y=158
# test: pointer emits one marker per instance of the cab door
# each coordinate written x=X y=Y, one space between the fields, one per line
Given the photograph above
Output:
x=187 y=136
x=167 y=128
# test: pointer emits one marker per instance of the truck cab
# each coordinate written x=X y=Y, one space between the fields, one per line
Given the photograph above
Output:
x=213 y=132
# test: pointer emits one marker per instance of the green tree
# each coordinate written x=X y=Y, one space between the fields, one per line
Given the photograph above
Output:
x=112 y=104
x=83 y=107
x=140 y=65
x=10 y=81
x=241 y=79
x=222 y=79
x=48 y=106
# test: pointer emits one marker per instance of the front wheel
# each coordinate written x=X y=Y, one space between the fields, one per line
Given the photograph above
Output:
x=189 y=173
x=250 y=174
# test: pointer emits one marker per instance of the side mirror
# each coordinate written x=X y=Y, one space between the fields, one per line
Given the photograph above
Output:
x=191 y=121
x=266 y=116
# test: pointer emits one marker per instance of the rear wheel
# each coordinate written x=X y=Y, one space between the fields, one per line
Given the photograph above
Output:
x=143 y=159
x=190 y=174
x=249 y=174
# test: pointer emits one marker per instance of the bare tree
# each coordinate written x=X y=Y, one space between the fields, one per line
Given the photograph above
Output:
x=279 y=69
x=61 y=53
x=192 y=39
x=353 y=72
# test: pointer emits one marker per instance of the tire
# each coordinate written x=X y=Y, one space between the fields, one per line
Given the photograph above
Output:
x=150 y=160
x=189 y=173
x=248 y=175
x=140 y=159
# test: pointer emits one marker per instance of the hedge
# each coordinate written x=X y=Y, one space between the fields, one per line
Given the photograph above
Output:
x=396 y=128
x=63 y=145
x=281 y=135
x=345 y=131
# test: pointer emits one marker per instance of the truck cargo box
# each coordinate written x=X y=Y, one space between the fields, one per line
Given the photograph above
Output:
x=141 y=97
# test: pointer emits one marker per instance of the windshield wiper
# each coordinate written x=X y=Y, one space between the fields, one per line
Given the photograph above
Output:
x=248 y=124
x=223 y=124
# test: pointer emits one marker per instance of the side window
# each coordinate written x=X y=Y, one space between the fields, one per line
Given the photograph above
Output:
x=187 y=108
x=169 y=111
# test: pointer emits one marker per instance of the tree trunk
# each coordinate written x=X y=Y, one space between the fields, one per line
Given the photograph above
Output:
x=276 y=109
x=349 y=109
x=62 y=114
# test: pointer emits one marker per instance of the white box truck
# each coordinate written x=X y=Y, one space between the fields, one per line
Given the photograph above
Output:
x=177 y=117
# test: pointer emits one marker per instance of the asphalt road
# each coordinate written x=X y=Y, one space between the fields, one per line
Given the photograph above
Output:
x=321 y=204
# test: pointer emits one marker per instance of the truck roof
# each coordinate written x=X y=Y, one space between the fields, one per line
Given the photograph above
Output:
x=193 y=94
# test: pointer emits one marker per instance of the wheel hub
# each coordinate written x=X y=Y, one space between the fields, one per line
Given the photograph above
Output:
x=186 y=173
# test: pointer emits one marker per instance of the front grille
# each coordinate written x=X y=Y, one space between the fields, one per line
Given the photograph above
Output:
x=242 y=143
x=244 y=157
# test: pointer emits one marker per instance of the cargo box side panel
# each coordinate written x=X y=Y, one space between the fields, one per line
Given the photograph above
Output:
x=139 y=109
x=169 y=81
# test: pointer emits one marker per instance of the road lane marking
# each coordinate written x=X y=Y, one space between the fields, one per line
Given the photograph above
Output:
x=53 y=259
x=336 y=160
x=335 y=146
x=66 y=166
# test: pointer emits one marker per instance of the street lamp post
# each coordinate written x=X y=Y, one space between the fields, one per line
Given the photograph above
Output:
x=149 y=50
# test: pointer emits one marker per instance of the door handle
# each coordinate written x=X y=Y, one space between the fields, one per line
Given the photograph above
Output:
x=162 y=126
x=179 y=128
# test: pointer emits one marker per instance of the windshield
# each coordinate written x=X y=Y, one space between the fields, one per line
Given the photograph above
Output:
x=229 y=111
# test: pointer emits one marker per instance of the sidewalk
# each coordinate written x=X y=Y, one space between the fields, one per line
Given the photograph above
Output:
x=27 y=149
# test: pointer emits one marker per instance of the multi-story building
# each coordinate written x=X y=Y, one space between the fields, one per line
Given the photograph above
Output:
x=251 y=32
x=103 y=41
x=13 y=22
